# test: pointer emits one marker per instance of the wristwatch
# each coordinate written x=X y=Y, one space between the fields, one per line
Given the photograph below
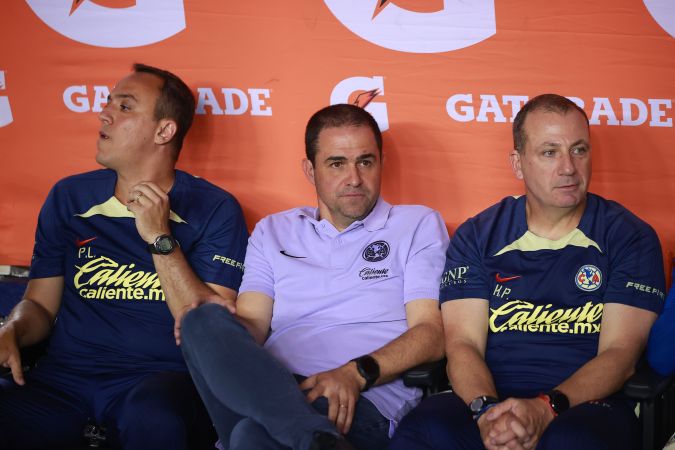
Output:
x=480 y=404
x=369 y=370
x=557 y=400
x=163 y=245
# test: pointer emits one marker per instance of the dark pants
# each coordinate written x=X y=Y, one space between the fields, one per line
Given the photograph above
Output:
x=443 y=422
x=253 y=400
x=140 y=411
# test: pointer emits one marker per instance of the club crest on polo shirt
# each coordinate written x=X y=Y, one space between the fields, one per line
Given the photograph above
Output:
x=376 y=251
x=588 y=278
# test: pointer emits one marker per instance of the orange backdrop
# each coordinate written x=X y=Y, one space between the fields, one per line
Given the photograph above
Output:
x=451 y=75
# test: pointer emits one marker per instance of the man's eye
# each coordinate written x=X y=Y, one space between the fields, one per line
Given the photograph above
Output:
x=548 y=152
x=336 y=164
x=366 y=163
x=580 y=150
x=124 y=107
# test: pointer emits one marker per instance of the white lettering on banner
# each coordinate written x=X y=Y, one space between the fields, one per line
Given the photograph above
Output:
x=5 y=109
x=345 y=88
x=632 y=111
x=458 y=24
x=82 y=99
x=144 y=23
x=235 y=101
x=76 y=98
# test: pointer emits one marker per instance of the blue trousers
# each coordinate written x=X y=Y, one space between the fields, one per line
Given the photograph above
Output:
x=140 y=411
x=443 y=422
x=254 y=400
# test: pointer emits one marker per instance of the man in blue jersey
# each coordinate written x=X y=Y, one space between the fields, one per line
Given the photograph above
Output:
x=548 y=299
x=120 y=254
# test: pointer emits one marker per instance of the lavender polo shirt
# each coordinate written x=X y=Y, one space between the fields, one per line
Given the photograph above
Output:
x=339 y=295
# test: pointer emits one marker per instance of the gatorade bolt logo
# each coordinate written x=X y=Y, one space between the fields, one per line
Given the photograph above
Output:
x=361 y=91
x=5 y=110
x=434 y=26
x=112 y=23
x=663 y=12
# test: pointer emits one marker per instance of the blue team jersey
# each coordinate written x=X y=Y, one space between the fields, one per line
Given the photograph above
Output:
x=113 y=315
x=546 y=297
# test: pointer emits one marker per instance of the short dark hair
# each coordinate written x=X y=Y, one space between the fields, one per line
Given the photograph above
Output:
x=175 y=101
x=335 y=116
x=546 y=102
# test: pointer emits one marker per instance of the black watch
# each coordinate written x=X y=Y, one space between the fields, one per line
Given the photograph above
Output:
x=163 y=245
x=558 y=401
x=369 y=370
x=481 y=404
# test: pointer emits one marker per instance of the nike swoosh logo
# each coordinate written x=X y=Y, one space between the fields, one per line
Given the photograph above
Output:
x=505 y=279
x=80 y=243
x=283 y=252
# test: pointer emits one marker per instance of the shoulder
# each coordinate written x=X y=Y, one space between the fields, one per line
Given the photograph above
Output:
x=85 y=188
x=411 y=211
x=200 y=194
x=616 y=222
x=504 y=218
x=285 y=220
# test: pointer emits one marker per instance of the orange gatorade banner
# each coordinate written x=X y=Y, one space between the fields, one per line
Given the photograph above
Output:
x=443 y=78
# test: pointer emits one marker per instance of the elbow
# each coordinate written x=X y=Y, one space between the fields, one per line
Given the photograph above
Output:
x=437 y=344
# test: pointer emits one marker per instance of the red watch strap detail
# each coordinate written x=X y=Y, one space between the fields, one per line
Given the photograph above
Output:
x=547 y=399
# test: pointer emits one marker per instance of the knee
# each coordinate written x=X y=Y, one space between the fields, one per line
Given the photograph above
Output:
x=198 y=321
x=248 y=433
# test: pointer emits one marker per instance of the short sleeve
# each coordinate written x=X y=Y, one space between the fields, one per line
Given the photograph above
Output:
x=637 y=277
x=258 y=275
x=425 y=260
x=464 y=275
x=49 y=249
x=218 y=256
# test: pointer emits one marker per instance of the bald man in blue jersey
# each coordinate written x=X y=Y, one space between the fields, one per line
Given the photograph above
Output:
x=547 y=301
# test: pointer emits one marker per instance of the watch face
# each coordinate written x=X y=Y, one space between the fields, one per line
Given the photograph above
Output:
x=559 y=401
x=164 y=244
x=476 y=404
x=370 y=367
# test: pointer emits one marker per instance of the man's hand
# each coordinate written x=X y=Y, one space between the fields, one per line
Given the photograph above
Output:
x=532 y=417
x=9 y=352
x=505 y=432
x=226 y=303
x=342 y=387
x=150 y=206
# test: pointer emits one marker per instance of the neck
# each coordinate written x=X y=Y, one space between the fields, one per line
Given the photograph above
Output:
x=553 y=223
x=126 y=180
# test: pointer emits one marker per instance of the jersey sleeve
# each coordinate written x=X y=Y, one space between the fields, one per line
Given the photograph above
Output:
x=218 y=257
x=637 y=277
x=464 y=275
x=258 y=276
x=425 y=261
x=50 y=240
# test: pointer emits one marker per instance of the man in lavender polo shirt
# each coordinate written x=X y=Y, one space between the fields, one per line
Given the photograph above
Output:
x=343 y=298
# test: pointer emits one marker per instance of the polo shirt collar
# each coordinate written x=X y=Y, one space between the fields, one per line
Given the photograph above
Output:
x=374 y=221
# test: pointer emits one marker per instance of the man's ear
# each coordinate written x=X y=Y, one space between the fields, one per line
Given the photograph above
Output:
x=166 y=130
x=514 y=156
x=308 y=170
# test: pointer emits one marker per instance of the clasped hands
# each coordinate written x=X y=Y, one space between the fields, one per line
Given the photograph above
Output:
x=515 y=424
